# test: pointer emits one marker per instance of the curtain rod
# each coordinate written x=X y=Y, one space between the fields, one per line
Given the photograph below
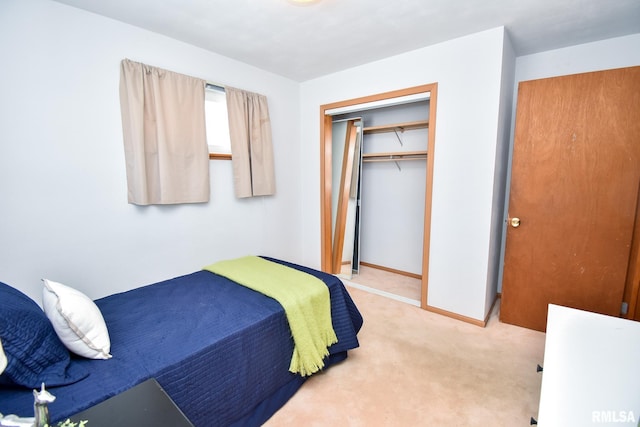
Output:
x=208 y=84
x=215 y=86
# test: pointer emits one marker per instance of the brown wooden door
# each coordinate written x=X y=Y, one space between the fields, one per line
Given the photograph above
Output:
x=575 y=174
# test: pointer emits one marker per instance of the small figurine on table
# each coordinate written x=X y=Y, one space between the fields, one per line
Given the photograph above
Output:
x=41 y=411
x=41 y=399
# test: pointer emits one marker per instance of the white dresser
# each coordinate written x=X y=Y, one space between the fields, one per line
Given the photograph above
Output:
x=591 y=371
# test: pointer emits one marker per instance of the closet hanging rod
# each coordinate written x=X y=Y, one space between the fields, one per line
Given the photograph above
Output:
x=392 y=159
x=393 y=156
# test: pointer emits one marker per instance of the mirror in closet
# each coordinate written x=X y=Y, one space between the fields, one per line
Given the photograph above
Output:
x=346 y=159
x=376 y=187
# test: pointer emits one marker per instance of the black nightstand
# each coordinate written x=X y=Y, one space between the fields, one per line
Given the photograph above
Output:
x=145 y=405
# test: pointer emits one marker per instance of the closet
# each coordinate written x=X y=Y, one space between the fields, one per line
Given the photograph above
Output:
x=380 y=181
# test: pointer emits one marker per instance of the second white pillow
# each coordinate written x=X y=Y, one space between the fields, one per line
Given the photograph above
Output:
x=77 y=320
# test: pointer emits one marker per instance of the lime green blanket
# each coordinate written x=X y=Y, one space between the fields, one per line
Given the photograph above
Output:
x=305 y=300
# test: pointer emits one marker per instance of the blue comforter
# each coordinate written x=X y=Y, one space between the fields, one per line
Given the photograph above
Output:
x=220 y=350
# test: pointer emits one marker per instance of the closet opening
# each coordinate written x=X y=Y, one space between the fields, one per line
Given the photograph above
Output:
x=377 y=157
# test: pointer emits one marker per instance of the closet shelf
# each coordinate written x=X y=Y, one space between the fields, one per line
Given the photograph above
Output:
x=421 y=124
x=394 y=156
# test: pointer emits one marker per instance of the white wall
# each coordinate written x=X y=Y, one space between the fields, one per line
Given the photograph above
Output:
x=501 y=177
x=63 y=205
x=468 y=72
x=602 y=55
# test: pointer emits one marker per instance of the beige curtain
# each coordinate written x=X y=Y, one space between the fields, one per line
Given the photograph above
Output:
x=165 y=143
x=251 y=147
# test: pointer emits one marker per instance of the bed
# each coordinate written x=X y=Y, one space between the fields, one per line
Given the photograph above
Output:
x=220 y=350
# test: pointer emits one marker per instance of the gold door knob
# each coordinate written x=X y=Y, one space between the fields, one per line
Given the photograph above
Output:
x=515 y=222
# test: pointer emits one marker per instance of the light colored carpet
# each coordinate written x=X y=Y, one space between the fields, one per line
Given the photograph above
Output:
x=416 y=368
x=403 y=286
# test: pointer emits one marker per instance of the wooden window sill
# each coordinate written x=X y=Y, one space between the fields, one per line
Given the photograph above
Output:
x=219 y=156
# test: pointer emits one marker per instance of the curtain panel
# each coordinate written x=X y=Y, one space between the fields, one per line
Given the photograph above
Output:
x=251 y=146
x=163 y=123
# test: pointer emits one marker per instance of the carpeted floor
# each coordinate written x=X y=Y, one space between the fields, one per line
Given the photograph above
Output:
x=416 y=368
x=396 y=284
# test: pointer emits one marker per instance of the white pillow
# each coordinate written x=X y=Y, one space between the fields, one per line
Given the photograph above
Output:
x=3 y=359
x=77 y=320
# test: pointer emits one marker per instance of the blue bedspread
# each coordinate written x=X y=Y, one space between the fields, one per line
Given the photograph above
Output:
x=220 y=350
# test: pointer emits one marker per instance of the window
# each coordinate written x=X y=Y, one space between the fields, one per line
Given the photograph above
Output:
x=217 y=122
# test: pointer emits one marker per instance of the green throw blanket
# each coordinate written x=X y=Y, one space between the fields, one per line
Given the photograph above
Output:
x=304 y=297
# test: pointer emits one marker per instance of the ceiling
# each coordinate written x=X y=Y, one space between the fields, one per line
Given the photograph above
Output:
x=305 y=42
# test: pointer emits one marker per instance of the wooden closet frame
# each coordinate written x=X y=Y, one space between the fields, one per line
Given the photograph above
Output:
x=326 y=237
